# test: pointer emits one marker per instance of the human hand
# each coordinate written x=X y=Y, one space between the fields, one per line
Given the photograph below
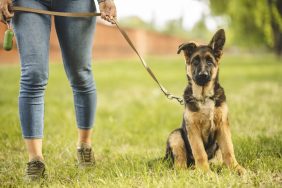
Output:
x=108 y=10
x=6 y=10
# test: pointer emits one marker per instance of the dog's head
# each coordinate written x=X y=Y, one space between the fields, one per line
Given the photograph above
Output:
x=203 y=60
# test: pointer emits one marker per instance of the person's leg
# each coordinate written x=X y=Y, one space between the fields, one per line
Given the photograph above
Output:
x=34 y=148
x=32 y=35
x=76 y=39
x=84 y=136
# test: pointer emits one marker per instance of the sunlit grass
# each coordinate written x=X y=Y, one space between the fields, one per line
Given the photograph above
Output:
x=134 y=119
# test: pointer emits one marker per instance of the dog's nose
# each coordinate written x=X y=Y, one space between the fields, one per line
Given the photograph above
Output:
x=203 y=74
x=202 y=78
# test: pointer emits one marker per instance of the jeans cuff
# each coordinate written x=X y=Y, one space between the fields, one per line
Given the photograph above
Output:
x=85 y=128
x=33 y=137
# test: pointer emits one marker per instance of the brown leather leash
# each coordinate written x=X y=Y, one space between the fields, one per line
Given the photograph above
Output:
x=54 y=13
x=124 y=34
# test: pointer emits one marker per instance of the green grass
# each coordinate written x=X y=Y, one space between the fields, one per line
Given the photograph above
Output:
x=134 y=119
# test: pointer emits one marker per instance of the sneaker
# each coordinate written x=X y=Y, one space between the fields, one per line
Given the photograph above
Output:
x=35 y=170
x=85 y=156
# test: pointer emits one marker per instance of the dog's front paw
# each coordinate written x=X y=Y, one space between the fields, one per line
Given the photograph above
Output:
x=240 y=170
x=204 y=167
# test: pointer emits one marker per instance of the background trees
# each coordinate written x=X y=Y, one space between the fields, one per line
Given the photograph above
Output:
x=252 y=22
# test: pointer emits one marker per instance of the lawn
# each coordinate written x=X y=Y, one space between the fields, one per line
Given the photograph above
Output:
x=134 y=119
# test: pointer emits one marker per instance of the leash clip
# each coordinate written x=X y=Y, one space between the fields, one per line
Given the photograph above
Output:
x=171 y=97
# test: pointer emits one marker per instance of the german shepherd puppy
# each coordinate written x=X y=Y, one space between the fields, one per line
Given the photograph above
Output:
x=205 y=132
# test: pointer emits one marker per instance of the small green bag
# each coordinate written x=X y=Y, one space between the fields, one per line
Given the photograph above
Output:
x=8 y=40
x=9 y=34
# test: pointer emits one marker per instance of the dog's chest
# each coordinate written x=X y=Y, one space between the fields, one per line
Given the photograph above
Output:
x=206 y=108
x=203 y=119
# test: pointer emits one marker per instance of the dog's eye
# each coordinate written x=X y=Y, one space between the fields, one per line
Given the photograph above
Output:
x=209 y=61
x=196 y=61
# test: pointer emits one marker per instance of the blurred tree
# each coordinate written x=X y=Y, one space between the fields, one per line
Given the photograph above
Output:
x=252 y=22
x=172 y=26
x=136 y=22
x=200 y=30
x=175 y=27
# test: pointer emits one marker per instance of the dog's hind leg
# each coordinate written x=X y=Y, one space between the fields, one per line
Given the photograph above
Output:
x=176 y=150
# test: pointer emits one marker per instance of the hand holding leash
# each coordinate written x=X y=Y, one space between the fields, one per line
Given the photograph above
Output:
x=108 y=10
x=6 y=12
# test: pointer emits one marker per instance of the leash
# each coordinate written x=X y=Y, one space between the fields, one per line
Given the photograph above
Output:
x=54 y=13
x=123 y=33
x=163 y=89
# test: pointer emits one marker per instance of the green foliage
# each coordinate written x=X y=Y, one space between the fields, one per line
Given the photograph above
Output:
x=133 y=122
x=175 y=27
x=251 y=21
x=200 y=30
x=218 y=7
x=277 y=16
x=136 y=22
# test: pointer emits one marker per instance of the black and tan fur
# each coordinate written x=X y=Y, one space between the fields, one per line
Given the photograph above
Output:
x=205 y=132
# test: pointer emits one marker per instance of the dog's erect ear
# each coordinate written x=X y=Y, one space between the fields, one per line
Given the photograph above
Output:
x=217 y=43
x=188 y=49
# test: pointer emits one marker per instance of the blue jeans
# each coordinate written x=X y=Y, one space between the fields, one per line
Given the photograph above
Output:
x=76 y=38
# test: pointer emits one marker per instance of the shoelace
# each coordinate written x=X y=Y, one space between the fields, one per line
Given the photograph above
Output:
x=85 y=155
x=34 y=168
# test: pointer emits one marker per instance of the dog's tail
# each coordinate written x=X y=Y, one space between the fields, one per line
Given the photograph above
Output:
x=168 y=154
x=166 y=160
x=162 y=161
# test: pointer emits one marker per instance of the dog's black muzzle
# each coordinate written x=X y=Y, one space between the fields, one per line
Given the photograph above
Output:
x=202 y=78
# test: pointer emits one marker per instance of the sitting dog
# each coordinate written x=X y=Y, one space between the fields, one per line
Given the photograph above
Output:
x=205 y=132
